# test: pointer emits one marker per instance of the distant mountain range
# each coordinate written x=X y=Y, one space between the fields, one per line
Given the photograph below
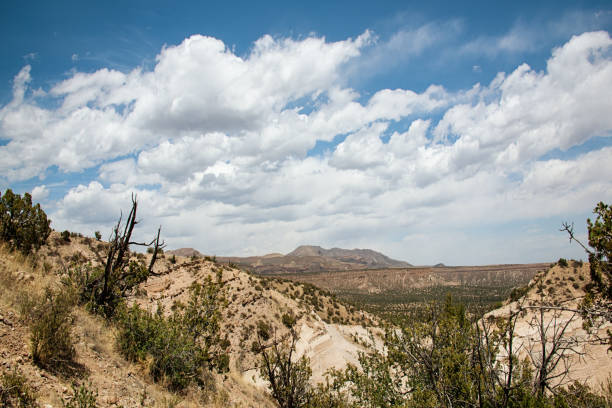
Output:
x=308 y=258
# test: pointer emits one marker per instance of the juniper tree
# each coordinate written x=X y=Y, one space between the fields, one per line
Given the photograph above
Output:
x=22 y=225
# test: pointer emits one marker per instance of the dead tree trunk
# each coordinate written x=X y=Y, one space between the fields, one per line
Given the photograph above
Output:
x=119 y=276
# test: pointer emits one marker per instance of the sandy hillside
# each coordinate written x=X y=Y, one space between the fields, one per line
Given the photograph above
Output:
x=562 y=288
x=328 y=329
x=117 y=382
x=252 y=299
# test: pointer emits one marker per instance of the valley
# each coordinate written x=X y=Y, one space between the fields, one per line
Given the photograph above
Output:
x=379 y=284
x=179 y=328
x=398 y=291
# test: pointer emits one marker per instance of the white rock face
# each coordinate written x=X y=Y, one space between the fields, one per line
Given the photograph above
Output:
x=326 y=345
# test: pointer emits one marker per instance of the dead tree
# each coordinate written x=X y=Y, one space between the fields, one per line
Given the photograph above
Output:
x=497 y=354
x=597 y=306
x=120 y=273
x=552 y=350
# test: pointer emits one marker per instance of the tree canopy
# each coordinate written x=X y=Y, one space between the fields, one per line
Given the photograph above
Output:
x=22 y=225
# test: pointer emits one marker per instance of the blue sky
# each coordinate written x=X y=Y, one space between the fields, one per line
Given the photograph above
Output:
x=438 y=132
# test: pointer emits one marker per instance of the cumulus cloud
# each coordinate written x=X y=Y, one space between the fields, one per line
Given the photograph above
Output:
x=218 y=146
x=39 y=193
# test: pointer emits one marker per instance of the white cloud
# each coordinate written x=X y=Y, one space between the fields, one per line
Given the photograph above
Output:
x=39 y=193
x=216 y=146
x=405 y=45
x=534 y=34
x=197 y=87
x=519 y=38
x=536 y=112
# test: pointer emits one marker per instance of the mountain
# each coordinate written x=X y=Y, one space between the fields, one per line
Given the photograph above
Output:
x=310 y=258
x=366 y=257
x=187 y=252
x=439 y=265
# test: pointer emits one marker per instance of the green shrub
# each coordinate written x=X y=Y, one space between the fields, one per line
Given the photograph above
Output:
x=175 y=357
x=263 y=330
x=66 y=235
x=26 y=302
x=15 y=391
x=562 y=262
x=138 y=329
x=98 y=235
x=181 y=347
x=23 y=226
x=82 y=397
x=51 y=340
x=288 y=320
x=578 y=395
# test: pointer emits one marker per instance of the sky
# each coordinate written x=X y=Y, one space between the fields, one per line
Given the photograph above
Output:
x=456 y=132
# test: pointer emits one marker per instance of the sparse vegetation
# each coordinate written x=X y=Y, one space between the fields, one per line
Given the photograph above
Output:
x=52 y=342
x=435 y=355
x=288 y=320
x=15 y=391
x=597 y=304
x=83 y=396
x=287 y=377
x=181 y=346
x=450 y=360
x=518 y=293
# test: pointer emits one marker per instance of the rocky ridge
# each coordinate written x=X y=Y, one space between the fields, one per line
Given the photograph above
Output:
x=328 y=329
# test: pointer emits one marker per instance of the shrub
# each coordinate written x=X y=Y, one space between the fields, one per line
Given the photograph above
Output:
x=98 y=235
x=562 y=262
x=23 y=226
x=173 y=259
x=180 y=347
x=46 y=266
x=66 y=236
x=578 y=395
x=263 y=330
x=82 y=397
x=137 y=331
x=15 y=391
x=175 y=357
x=51 y=339
x=288 y=320
x=287 y=377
